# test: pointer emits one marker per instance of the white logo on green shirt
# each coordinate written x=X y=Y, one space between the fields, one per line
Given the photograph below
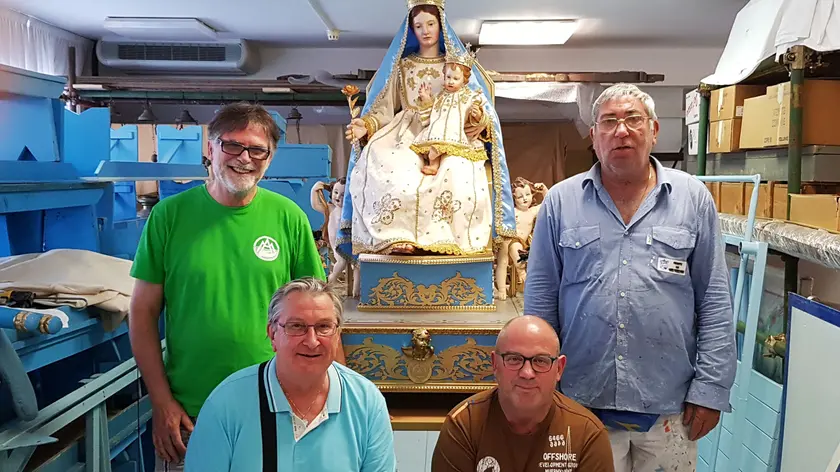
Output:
x=266 y=248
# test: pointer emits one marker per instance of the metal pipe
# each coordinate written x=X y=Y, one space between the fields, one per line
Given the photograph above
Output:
x=72 y=104
x=778 y=348
x=703 y=132
x=332 y=31
x=797 y=60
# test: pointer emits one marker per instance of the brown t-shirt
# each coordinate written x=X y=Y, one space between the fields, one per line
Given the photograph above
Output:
x=476 y=437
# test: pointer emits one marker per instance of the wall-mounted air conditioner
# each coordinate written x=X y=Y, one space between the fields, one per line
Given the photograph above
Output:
x=179 y=58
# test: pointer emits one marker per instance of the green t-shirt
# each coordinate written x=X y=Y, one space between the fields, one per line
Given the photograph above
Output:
x=219 y=267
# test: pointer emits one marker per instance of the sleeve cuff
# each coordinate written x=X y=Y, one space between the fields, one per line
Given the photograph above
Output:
x=371 y=124
x=709 y=395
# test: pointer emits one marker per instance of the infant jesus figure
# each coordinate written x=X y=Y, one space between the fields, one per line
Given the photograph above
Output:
x=444 y=118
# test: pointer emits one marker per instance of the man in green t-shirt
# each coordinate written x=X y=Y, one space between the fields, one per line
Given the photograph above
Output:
x=214 y=255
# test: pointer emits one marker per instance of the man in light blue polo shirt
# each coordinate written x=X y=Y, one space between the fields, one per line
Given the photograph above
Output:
x=299 y=411
x=628 y=265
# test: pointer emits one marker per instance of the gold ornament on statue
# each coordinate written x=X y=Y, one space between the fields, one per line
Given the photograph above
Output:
x=414 y=3
x=349 y=91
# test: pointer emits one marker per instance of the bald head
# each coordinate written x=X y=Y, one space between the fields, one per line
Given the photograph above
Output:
x=527 y=329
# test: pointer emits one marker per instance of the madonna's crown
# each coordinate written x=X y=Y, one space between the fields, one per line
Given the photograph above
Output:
x=437 y=3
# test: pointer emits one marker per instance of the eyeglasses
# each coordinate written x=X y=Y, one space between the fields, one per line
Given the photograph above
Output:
x=634 y=122
x=298 y=328
x=540 y=363
x=235 y=149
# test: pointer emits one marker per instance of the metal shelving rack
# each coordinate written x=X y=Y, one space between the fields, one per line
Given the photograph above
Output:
x=820 y=161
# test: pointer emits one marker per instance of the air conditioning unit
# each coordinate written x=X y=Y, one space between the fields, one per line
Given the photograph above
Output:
x=179 y=58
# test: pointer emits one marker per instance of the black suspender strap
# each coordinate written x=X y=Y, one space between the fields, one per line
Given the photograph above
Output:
x=268 y=426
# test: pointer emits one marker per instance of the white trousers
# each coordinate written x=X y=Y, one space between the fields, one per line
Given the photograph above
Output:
x=665 y=448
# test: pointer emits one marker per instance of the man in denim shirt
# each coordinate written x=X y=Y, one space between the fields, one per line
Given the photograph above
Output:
x=628 y=265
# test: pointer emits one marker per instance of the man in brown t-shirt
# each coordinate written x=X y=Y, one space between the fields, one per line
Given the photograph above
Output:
x=523 y=424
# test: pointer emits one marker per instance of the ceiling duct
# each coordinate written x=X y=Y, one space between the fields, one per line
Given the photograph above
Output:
x=173 y=58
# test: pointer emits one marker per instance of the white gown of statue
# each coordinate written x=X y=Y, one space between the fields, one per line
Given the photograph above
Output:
x=393 y=201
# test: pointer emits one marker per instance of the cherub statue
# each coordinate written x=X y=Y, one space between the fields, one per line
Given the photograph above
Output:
x=444 y=117
x=526 y=208
x=332 y=214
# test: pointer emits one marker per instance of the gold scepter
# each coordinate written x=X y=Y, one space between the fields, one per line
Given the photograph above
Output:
x=350 y=91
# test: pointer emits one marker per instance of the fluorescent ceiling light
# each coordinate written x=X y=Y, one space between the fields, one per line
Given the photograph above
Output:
x=161 y=29
x=526 y=32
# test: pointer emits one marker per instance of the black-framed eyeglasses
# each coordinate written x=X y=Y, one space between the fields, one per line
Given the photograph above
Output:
x=540 y=363
x=634 y=122
x=235 y=149
x=299 y=328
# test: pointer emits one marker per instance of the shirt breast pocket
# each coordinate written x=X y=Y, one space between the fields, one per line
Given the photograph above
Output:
x=582 y=258
x=671 y=250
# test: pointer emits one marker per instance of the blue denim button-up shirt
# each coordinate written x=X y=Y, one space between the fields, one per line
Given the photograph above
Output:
x=643 y=310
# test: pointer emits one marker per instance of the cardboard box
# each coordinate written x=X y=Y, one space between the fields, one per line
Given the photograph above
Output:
x=820 y=100
x=732 y=198
x=819 y=211
x=692 y=107
x=728 y=102
x=756 y=124
x=764 y=207
x=714 y=189
x=778 y=194
x=779 y=95
x=725 y=135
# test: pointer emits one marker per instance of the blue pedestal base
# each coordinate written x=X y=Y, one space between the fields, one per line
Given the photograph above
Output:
x=426 y=283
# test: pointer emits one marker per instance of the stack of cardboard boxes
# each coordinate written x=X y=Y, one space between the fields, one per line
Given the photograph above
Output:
x=745 y=117
x=726 y=116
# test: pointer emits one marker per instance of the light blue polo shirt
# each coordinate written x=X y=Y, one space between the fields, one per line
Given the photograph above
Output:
x=357 y=436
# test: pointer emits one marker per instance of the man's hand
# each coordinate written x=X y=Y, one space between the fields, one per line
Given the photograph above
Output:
x=166 y=430
x=700 y=420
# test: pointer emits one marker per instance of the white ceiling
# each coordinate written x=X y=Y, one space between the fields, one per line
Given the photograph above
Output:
x=372 y=23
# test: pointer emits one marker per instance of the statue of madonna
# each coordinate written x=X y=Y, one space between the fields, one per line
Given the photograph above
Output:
x=391 y=206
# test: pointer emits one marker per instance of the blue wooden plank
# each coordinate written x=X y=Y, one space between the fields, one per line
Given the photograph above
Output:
x=31 y=135
x=722 y=464
x=5 y=242
x=124 y=144
x=751 y=463
x=16 y=202
x=85 y=139
x=725 y=442
x=84 y=333
x=301 y=160
x=767 y=391
x=179 y=146
x=71 y=228
x=705 y=447
x=31 y=84
x=132 y=171
x=757 y=442
x=22 y=172
x=763 y=417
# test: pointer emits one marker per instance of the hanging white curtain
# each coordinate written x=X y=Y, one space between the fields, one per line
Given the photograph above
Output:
x=27 y=43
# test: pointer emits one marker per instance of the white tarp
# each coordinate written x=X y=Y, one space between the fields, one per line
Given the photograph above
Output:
x=766 y=28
